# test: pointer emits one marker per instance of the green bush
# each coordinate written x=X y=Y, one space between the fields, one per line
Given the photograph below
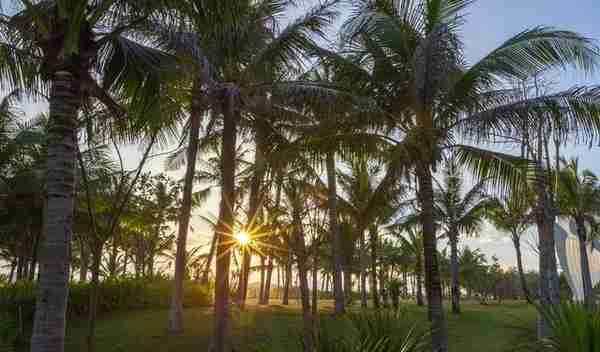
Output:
x=17 y=301
x=573 y=328
x=377 y=331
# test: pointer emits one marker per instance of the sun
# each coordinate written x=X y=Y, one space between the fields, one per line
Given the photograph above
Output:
x=242 y=238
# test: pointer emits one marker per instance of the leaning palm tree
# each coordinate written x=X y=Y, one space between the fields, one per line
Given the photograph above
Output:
x=414 y=51
x=511 y=214
x=458 y=215
x=70 y=51
x=579 y=199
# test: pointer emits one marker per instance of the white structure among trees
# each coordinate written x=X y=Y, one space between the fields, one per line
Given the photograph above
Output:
x=567 y=248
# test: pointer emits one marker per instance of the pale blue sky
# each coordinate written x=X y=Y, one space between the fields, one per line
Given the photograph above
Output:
x=489 y=23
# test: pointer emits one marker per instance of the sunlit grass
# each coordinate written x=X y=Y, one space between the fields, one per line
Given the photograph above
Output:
x=496 y=328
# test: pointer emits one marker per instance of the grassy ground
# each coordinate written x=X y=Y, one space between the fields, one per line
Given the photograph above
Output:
x=489 y=328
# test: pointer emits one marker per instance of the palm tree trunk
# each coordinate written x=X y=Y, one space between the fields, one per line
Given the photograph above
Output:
x=13 y=267
x=267 y=294
x=285 y=300
x=549 y=291
x=347 y=285
x=176 y=310
x=34 y=254
x=439 y=335
x=301 y=255
x=363 y=270
x=315 y=289
x=254 y=216
x=113 y=263
x=586 y=277
x=261 y=291
x=374 y=290
x=244 y=276
x=517 y=243
x=382 y=284
x=49 y=321
x=336 y=248
x=549 y=286
x=93 y=299
x=225 y=225
x=211 y=254
x=85 y=261
x=125 y=262
x=455 y=286
x=419 y=279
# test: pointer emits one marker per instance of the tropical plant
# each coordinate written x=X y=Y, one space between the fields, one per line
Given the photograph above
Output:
x=511 y=214
x=58 y=49
x=379 y=331
x=415 y=51
x=458 y=214
x=579 y=199
x=574 y=328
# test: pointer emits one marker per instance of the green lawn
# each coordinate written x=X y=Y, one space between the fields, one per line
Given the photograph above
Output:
x=489 y=328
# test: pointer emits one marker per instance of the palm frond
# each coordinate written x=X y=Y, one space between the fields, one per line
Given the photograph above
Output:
x=505 y=172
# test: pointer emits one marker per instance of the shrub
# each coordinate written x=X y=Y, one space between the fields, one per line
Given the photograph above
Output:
x=17 y=301
x=574 y=328
x=378 y=331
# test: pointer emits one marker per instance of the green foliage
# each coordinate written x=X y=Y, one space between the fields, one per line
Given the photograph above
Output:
x=574 y=328
x=377 y=331
x=18 y=299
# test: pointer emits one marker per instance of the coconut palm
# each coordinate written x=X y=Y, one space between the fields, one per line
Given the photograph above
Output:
x=414 y=50
x=413 y=245
x=458 y=215
x=57 y=49
x=358 y=189
x=579 y=199
x=369 y=202
x=244 y=44
x=296 y=196
x=512 y=215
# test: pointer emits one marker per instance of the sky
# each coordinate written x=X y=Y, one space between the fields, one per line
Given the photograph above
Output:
x=491 y=22
x=488 y=24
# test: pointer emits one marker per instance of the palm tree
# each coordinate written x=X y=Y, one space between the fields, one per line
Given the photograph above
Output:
x=511 y=214
x=368 y=203
x=57 y=49
x=244 y=45
x=294 y=190
x=579 y=199
x=413 y=244
x=458 y=215
x=415 y=52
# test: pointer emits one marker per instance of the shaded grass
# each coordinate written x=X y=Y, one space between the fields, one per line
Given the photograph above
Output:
x=489 y=328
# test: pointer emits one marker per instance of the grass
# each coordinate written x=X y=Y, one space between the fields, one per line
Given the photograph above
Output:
x=489 y=328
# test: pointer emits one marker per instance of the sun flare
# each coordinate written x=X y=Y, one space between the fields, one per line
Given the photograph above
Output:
x=242 y=238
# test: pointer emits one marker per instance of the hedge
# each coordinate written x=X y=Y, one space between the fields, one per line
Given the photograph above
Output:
x=18 y=299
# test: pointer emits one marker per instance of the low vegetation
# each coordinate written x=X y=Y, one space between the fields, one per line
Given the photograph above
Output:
x=498 y=327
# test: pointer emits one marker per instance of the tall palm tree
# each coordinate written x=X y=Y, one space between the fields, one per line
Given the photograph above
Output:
x=579 y=199
x=511 y=214
x=413 y=244
x=369 y=202
x=295 y=193
x=58 y=49
x=458 y=215
x=414 y=50
x=244 y=44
